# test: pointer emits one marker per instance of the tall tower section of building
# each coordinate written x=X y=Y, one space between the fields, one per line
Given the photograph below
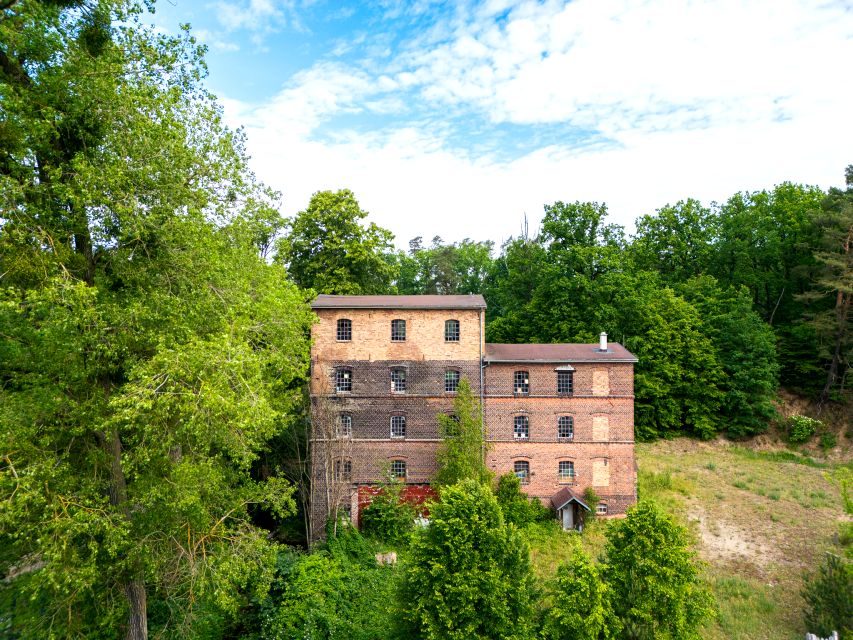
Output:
x=382 y=369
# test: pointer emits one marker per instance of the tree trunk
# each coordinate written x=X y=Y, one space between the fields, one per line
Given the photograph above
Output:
x=842 y=312
x=134 y=586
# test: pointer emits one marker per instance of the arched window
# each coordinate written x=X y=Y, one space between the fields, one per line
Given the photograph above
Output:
x=343 y=469
x=521 y=428
x=565 y=427
x=566 y=471
x=398 y=469
x=522 y=471
x=344 y=425
x=345 y=329
x=398 y=426
x=398 y=330
x=451 y=381
x=343 y=379
x=398 y=380
x=522 y=383
x=451 y=330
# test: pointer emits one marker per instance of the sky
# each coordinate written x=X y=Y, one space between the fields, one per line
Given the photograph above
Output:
x=460 y=119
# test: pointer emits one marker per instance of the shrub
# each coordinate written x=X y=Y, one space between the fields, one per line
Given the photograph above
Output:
x=592 y=499
x=469 y=575
x=828 y=440
x=517 y=508
x=829 y=598
x=388 y=517
x=802 y=428
x=656 y=586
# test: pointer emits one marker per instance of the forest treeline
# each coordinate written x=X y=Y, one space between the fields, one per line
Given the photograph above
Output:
x=155 y=320
x=720 y=303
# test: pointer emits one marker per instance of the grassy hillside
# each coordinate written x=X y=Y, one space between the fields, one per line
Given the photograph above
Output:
x=760 y=518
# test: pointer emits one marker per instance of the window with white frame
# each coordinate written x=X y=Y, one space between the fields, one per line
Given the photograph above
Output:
x=344 y=425
x=343 y=379
x=566 y=471
x=601 y=509
x=565 y=427
x=398 y=469
x=522 y=471
x=398 y=330
x=451 y=330
x=565 y=383
x=398 y=426
x=521 y=428
x=451 y=381
x=522 y=383
x=345 y=329
x=398 y=380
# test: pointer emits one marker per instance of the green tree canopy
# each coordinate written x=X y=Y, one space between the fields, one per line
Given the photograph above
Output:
x=326 y=248
x=147 y=352
x=469 y=575
x=657 y=592
x=461 y=454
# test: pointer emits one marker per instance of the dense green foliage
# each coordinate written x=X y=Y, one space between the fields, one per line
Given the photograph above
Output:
x=516 y=507
x=829 y=598
x=469 y=573
x=147 y=351
x=801 y=428
x=389 y=517
x=327 y=249
x=656 y=588
x=581 y=608
x=461 y=454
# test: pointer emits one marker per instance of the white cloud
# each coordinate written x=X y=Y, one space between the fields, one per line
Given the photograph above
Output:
x=684 y=100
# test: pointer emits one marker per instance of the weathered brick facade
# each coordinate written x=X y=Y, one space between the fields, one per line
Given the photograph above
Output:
x=384 y=424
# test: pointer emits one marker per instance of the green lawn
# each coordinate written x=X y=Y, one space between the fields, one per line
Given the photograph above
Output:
x=760 y=519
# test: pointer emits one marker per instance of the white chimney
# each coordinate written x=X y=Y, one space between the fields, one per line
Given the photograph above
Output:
x=602 y=341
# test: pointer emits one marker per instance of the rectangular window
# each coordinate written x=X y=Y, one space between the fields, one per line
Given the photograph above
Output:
x=521 y=429
x=343 y=469
x=344 y=425
x=565 y=427
x=451 y=330
x=398 y=469
x=343 y=379
x=398 y=380
x=398 y=330
x=566 y=471
x=398 y=426
x=344 y=329
x=601 y=509
x=522 y=383
x=451 y=381
x=565 y=383
x=522 y=471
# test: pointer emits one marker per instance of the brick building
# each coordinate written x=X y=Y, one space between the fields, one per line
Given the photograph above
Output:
x=560 y=416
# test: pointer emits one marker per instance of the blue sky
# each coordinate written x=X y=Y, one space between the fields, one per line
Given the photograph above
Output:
x=459 y=118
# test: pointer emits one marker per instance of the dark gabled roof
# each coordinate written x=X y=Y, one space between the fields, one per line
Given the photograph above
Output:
x=557 y=353
x=470 y=301
x=564 y=496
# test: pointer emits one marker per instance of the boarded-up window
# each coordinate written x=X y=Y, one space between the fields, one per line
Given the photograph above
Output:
x=601 y=382
x=600 y=473
x=600 y=428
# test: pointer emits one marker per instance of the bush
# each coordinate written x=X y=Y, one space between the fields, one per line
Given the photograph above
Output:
x=388 y=517
x=828 y=440
x=516 y=507
x=592 y=499
x=802 y=428
x=582 y=608
x=829 y=598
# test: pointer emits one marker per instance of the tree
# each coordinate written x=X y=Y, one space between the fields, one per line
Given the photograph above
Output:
x=677 y=242
x=656 y=586
x=327 y=249
x=835 y=277
x=516 y=507
x=461 y=454
x=581 y=607
x=444 y=269
x=829 y=598
x=147 y=352
x=469 y=575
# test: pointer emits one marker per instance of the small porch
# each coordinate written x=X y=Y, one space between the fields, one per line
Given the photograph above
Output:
x=570 y=509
